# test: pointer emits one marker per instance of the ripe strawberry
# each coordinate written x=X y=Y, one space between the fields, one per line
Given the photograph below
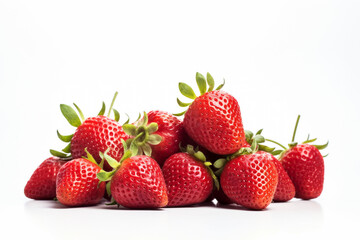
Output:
x=250 y=180
x=305 y=166
x=97 y=134
x=221 y=197
x=162 y=134
x=77 y=184
x=285 y=190
x=136 y=181
x=188 y=178
x=213 y=119
x=42 y=184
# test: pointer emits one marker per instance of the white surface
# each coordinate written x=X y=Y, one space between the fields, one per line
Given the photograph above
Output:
x=279 y=58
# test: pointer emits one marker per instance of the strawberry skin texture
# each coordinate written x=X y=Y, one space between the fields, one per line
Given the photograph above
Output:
x=214 y=121
x=97 y=134
x=77 y=184
x=139 y=183
x=305 y=166
x=250 y=180
x=171 y=130
x=187 y=179
x=285 y=190
x=42 y=184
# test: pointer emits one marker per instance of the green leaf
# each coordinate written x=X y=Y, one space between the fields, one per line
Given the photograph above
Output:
x=58 y=154
x=80 y=112
x=259 y=132
x=108 y=188
x=321 y=147
x=201 y=82
x=152 y=127
x=221 y=85
x=210 y=82
x=220 y=163
x=154 y=139
x=128 y=119
x=310 y=140
x=67 y=149
x=179 y=114
x=324 y=156
x=248 y=135
x=266 y=148
x=102 y=110
x=199 y=155
x=105 y=176
x=90 y=157
x=146 y=149
x=112 y=162
x=64 y=138
x=182 y=104
x=254 y=146
x=127 y=154
x=276 y=152
x=116 y=115
x=124 y=144
x=144 y=120
x=186 y=90
x=259 y=138
x=129 y=129
x=70 y=115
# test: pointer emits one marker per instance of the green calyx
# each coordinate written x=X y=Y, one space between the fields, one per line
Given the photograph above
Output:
x=105 y=176
x=204 y=85
x=75 y=118
x=198 y=155
x=293 y=143
x=143 y=135
x=253 y=140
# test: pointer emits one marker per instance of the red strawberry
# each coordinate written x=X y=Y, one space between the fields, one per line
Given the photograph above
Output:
x=285 y=190
x=97 y=134
x=213 y=119
x=188 y=180
x=136 y=182
x=162 y=133
x=42 y=184
x=221 y=197
x=77 y=184
x=305 y=166
x=250 y=180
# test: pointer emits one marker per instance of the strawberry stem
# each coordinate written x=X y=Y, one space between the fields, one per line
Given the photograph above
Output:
x=112 y=104
x=269 y=140
x=296 y=125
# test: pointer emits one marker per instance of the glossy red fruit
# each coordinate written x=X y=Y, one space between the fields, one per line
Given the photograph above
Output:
x=97 y=134
x=187 y=180
x=171 y=131
x=221 y=197
x=77 y=184
x=305 y=166
x=139 y=183
x=285 y=190
x=214 y=121
x=42 y=184
x=250 y=180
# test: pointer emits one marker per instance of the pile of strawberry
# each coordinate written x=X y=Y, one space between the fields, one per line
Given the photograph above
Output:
x=160 y=160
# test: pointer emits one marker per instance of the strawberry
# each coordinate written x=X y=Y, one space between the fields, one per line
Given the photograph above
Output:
x=162 y=134
x=136 y=181
x=188 y=178
x=250 y=180
x=213 y=120
x=285 y=190
x=77 y=184
x=42 y=184
x=305 y=166
x=97 y=134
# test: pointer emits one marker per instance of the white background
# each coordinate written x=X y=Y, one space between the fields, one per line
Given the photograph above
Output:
x=279 y=59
